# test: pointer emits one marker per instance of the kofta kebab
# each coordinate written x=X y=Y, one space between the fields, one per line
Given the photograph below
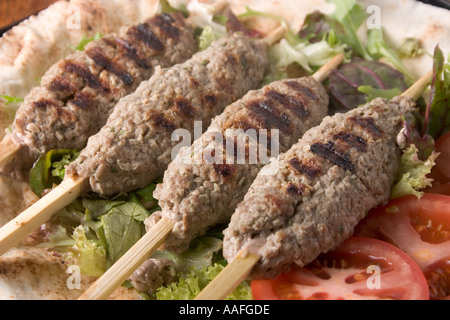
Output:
x=78 y=93
x=310 y=199
x=206 y=182
x=134 y=147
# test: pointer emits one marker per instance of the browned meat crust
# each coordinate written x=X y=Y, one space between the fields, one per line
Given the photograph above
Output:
x=78 y=93
x=135 y=146
x=205 y=191
x=310 y=199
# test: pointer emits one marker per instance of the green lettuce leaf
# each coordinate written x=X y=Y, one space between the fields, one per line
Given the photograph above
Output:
x=346 y=20
x=373 y=93
x=202 y=252
x=378 y=48
x=118 y=224
x=11 y=99
x=49 y=169
x=190 y=285
x=88 y=254
x=207 y=37
x=346 y=81
x=85 y=41
x=165 y=7
x=437 y=117
x=410 y=49
x=413 y=173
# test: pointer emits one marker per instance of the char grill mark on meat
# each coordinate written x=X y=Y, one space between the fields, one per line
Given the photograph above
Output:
x=352 y=140
x=224 y=170
x=142 y=33
x=135 y=146
x=356 y=158
x=88 y=84
x=295 y=190
x=82 y=72
x=291 y=102
x=205 y=191
x=269 y=116
x=160 y=121
x=184 y=107
x=112 y=66
x=368 y=124
x=310 y=169
x=334 y=155
x=302 y=90
x=166 y=24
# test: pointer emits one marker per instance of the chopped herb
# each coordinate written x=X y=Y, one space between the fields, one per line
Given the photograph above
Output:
x=85 y=41
x=11 y=99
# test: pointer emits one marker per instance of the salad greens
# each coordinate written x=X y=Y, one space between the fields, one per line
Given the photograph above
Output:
x=49 y=169
x=94 y=233
x=360 y=81
x=85 y=41
x=191 y=284
x=378 y=48
x=345 y=21
x=437 y=115
x=413 y=173
x=195 y=268
x=10 y=99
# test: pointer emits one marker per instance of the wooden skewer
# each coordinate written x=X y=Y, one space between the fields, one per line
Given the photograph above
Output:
x=8 y=150
x=32 y=218
x=238 y=269
x=416 y=90
x=108 y=283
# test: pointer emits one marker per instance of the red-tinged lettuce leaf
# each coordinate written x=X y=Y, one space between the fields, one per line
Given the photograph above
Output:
x=316 y=27
x=345 y=82
x=411 y=134
x=233 y=25
x=437 y=116
x=344 y=23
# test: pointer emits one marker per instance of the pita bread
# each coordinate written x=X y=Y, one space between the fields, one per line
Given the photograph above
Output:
x=30 y=273
x=35 y=274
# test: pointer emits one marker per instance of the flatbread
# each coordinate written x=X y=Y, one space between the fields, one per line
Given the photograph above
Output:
x=35 y=274
x=31 y=273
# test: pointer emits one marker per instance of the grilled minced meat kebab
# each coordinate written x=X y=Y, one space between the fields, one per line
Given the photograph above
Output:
x=205 y=192
x=77 y=94
x=201 y=189
x=309 y=200
x=135 y=145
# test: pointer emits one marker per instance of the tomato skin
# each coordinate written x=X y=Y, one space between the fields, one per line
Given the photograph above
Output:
x=421 y=228
x=443 y=161
x=342 y=274
x=440 y=173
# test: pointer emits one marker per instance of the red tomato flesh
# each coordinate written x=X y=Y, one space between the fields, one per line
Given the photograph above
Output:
x=443 y=161
x=421 y=228
x=347 y=273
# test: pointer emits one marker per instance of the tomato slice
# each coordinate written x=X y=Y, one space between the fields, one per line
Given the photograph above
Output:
x=421 y=228
x=443 y=161
x=441 y=171
x=360 y=269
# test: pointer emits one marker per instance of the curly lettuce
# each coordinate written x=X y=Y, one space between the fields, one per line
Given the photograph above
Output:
x=191 y=284
x=413 y=173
